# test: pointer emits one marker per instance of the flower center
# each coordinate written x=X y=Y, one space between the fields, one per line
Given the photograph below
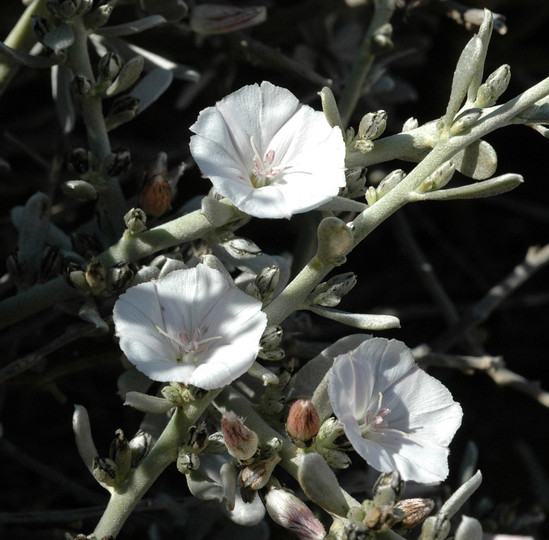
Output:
x=189 y=349
x=376 y=418
x=263 y=173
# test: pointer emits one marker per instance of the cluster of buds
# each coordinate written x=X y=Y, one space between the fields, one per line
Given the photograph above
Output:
x=373 y=194
x=270 y=344
x=384 y=510
x=332 y=444
x=329 y=293
x=179 y=393
x=98 y=280
x=264 y=284
x=123 y=456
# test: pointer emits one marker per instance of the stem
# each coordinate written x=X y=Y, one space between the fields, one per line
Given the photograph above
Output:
x=164 y=453
x=21 y=38
x=111 y=204
x=295 y=294
x=353 y=90
x=128 y=249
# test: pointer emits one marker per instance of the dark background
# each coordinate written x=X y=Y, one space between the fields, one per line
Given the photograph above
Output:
x=471 y=245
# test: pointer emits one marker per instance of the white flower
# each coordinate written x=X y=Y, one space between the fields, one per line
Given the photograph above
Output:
x=267 y=153
x=191 y=326
x=395 y=415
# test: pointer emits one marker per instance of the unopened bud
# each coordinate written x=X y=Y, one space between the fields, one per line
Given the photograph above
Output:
x=266 y=282
x=120 y=453
x=329 y=107
x=215 y=444
x=187 y=461
x=104 y=471
x=155 y=196
x=465 y=120
x=371 y=195
x=387 y=489
x=335 y=240
x=40 y=27
x=303 y=421
x=99 y=16
x=271 y=338
x=76 y=277
x=256 y=475
x=381 y=42
x=496 y=83
x=119 y=277
x=139 y=447
x=218 y=19
x=79 y=159
x=81 y=86
x=390 y=182
x=135 y=220
x=415 y=511
x=109 y=66
x=293 y=514
x=355 y=181
x=330 y=293
x=382 y=518
x=117 y=162
x=198 y=437
x=242 y=248
x=96 y=276
x=372 y=125
x=410 y=124
x=241 y=442
x=122 y=110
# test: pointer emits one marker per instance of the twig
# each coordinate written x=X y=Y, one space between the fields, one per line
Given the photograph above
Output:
x=505 y=377
x=256 y=50
x=11 y=452
x=535 y=259
x=467 y=364
x=72 y=333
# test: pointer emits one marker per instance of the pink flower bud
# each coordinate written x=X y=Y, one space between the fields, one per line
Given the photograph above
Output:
x=241 y=442
x=292 y=513
x=303 y=421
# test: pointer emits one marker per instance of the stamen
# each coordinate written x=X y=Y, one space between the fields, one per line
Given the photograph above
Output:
x=262 y=173
x=189 y=347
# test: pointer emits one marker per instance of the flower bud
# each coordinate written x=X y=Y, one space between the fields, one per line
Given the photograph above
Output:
x=390 y=182
x=335 y=240
x=100 y=15
x=415 y=511
x=293 y=514
x=120 y=453
x=242 y=248
x=64 y=9
x=140 y=446
x=241 y=442
x=119 y=277
x=329 y=107
x=387 y=489
x=96 y=276
x=496 y=83
x=465 y=120
x=266 y=282
x=256 y=475
x=81 y=86
x=330 y=293
x=79 y=159
x=371 y=195
x=104 y=471
x=372 y=125
x=410 y=124
x=335 y=458
x=156 y=194
x=109 y=66
x=215 y=444
x=117 y=162
x=217 y=19
x=382 y=518
x=40 y=27
x=303 y=421
x=381 y=42
x=271 y=338
x=187 y=461
x=135 y=220
x=355 y=181
x=122 y=110
x=198 y=437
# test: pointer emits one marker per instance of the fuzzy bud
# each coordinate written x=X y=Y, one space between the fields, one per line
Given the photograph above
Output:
x=266 y=282
x=79 y=159
x=135 y=220
x=117 y=162
x=119 y=277
x=335 y=240
x=242 y=248
x=271 y=338
x=330 y=293
x=303 y=421
x=155 y=196
x=120 y=453
x=496 y=83
x=139 y=447
x=372 y=125
x=465 y=120
x=104 y=471
x=387 y=489
x=390 y=182
x=241 y=442
x=96 y=276
x=293 y=514
x=109 y=66
x=256 y=475
x=410 y=124
x=187 y=461
x=415 y=511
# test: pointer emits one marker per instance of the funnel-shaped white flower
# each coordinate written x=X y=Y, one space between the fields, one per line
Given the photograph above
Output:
x=191 y=326
x=270 y=155
x=396 y=416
